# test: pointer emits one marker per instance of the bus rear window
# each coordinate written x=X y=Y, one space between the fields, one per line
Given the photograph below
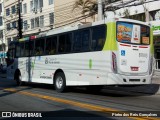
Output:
x=133 y=33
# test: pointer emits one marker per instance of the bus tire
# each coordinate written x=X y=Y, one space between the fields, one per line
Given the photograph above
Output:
x=60 y=82
x=18 y=79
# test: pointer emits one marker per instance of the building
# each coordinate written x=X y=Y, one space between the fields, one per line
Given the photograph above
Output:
x=66 y=15
x=2 y=35
x=36 y=16
x=11 y=17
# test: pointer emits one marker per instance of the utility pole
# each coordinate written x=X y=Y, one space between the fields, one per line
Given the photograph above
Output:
x=19 y=20
x=100 y=10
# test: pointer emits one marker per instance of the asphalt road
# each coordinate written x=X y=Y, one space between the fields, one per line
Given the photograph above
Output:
x=77 y=103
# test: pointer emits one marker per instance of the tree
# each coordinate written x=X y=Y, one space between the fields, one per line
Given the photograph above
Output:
x=126 y=13
x=120 y=14
x=86 y=6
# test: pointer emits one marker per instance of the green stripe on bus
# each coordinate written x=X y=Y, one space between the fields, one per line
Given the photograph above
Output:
x=90 y=64
x=151 y=44
x=111 y=43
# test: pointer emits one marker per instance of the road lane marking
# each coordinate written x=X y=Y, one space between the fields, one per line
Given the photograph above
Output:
x=77 y=104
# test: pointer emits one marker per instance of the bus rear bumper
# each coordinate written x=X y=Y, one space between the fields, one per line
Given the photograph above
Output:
x=117 y=79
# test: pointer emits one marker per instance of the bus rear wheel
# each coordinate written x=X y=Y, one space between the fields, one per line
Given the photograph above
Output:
x=60 y=82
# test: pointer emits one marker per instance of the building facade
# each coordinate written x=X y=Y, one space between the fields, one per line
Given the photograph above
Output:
x=11 y=17
x=65 y=14
x=2 y=34
x=36 y=16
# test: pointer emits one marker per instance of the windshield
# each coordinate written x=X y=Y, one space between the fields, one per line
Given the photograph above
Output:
x=133 y=33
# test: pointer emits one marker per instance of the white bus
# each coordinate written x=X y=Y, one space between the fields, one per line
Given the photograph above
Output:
x=110 y=52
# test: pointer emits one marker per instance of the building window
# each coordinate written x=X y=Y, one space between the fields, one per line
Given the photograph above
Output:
x=0 y=8
x=37 y=4
x=25 y=25
x=31 y=5
x=7 y=12
x=32 y=23
x=14 y=39
x=25 y=8
x=13 y=9
x=41 y=21
x=14 y=24
x=1 y=34
x=8 y=26
x=50 y=2
x=37 y=22
x=1 y=21
x=40 y=3
x=51 y=18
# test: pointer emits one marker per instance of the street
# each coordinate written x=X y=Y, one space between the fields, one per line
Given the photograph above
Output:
x=77 y=102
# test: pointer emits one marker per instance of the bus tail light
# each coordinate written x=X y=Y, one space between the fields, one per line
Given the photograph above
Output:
x=114 y=62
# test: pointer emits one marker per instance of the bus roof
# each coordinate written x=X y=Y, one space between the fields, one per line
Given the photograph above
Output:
x=80 y=26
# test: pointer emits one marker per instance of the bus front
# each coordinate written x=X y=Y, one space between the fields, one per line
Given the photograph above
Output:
x=135 y=55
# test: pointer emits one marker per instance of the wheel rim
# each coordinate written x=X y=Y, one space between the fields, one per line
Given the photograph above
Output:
x=59 y=82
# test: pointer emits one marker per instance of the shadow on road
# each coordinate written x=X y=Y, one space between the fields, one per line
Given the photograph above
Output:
x=121 y=91
x=114 y=91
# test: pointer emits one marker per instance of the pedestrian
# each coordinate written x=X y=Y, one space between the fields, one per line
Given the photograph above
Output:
x=1 y=67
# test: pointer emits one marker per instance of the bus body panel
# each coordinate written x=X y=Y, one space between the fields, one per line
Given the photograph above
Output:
x=133 y=58
x=79 y=68
x=118 y=79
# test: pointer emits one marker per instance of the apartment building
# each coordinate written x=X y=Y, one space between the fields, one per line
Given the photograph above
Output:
x=66 y=15
x=36 y=16
x=11 y=17
x=2 y=35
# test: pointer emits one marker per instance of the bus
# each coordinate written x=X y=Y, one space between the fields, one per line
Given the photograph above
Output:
x=110 y=52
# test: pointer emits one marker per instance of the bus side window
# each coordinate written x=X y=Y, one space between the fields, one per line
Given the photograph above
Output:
x=51 y=44
x=85 y=40
x=77 y=42
x=98 y=37
x=26 y=48
x=68 y=44
x=48 y=46
x=39 y=47
x=18 y=50
x=31 y=45
x=61 y=45
x=22 y=45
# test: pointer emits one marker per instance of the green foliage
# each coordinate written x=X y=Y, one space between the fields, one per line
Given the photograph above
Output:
x=86 y=6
